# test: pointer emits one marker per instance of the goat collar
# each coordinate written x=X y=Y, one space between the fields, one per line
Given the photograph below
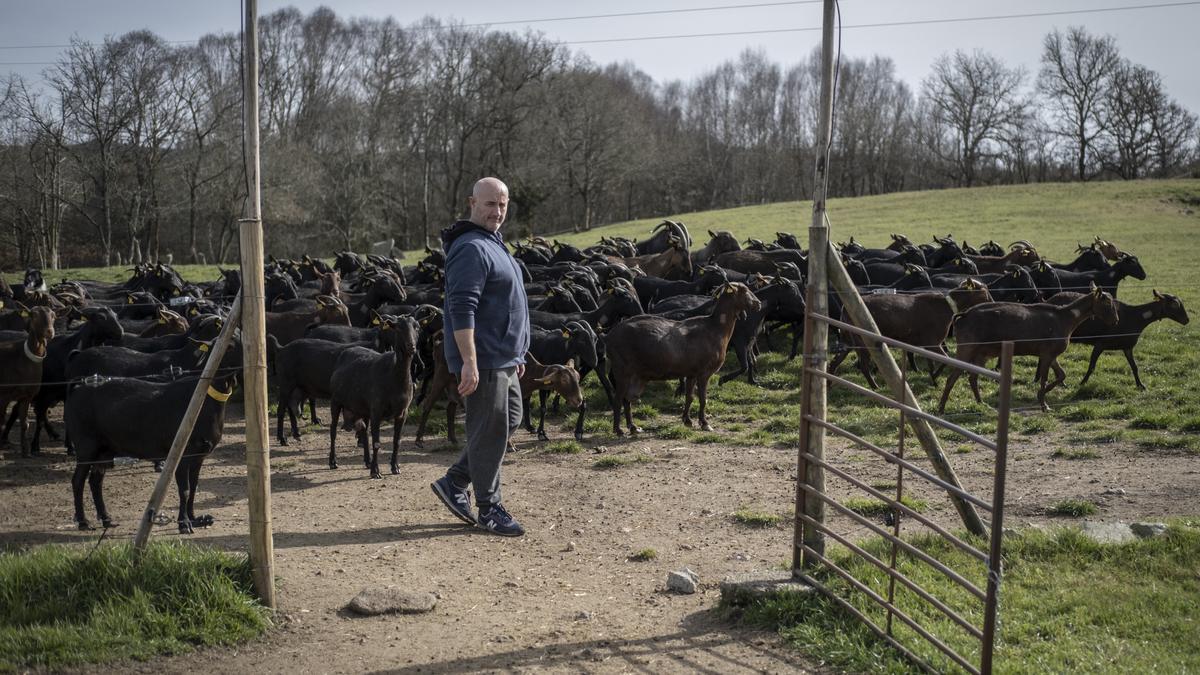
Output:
x=219 y=396
x=952 y=303
x=30 y=355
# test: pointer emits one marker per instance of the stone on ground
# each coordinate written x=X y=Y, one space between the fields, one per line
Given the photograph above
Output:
x=682 y=581
x=1148 y=530
x=745 y=588
x=1108 y=533
x=375 y=601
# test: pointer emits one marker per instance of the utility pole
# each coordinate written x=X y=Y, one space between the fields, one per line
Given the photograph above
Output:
x=816 y=333
x=254 y=351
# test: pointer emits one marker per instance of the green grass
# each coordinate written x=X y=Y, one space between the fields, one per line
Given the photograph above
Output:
x=1067 y=605
x=755 y=518
x=644 y=555
x=569 y=447
x=64 y=606
x=866 y=506
x=615 y=461
x=1072 y=508
x=1142 y=217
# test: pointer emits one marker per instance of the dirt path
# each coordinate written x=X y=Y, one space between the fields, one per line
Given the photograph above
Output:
x=565 y=598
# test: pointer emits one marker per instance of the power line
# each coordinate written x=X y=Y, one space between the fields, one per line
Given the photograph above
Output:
x=644 y=13
x=882 y=24
x=886 y=24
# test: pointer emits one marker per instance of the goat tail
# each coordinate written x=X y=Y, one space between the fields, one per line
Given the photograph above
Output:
x=273 y=348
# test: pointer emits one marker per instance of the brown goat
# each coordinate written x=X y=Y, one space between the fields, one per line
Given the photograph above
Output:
x=920 y=319
x=167 y=323
x=1021 y=254
x=289 y=326
x=647 y=348
x=21 y=366
x=547 y=379
x=1108 y=248
x=673 y=263
x=441 y=383
x=1042 y=330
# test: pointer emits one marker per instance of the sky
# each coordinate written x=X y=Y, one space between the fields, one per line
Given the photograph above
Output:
x=1162 y=38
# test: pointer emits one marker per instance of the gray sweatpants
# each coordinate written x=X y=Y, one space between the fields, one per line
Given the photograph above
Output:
x=493 y=414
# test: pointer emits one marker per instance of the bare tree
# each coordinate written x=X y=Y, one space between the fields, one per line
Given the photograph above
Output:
x=976 y=98
x=1075 y=78
x=97 y=109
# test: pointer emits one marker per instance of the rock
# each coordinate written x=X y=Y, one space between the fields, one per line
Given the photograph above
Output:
x=745 y=588
x=1114 y=491
x=376 y=601
x=583 y=616
x=1148 y=530
x=1108 y=533
x=570 y=547
x=682 y=581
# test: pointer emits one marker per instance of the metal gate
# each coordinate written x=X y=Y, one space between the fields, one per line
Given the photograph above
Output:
x=811 y=563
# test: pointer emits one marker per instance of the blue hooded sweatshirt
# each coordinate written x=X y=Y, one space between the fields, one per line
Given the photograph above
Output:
x=484 y=291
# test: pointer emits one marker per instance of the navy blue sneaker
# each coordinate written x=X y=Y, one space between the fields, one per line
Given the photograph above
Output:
x=456 y=499
x=496 y=520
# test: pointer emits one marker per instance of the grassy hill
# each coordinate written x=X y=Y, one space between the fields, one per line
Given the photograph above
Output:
x=1159 y=221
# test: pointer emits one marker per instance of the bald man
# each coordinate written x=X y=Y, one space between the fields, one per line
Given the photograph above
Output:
x=487 y=314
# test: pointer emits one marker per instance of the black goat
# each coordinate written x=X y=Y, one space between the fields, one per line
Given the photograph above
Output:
x=133 y=418
x=1133 y=319
x=374 y=387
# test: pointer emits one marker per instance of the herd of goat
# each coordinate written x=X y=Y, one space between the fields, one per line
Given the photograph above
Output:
x=365 y=333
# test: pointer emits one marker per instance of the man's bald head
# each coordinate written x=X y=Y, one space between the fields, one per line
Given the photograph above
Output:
x=489 y=203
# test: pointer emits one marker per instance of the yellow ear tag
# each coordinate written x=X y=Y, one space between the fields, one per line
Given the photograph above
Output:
x=386 y=326
x=128 y=300
x=375 y=321
x=204 y=347
x=566 y=333
x=24 y=314
x=731 y=289
x=194 y=312
x=1 y=304
x=219 y=396
x=162 y=322
x=83 y=319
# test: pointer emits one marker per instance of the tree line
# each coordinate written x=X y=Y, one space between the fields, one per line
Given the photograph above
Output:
x=374 y=132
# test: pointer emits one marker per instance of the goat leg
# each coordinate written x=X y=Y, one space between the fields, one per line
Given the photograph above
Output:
x=96 y=483
x=312 y=411
x=451 y=409
x=77 y=480
x=974 y=380
x=397 y=426
x=950 y=380
x=23 y=409
x=1133 y=366
x=279 y=437
x=376 y=423
x=541 y=430
x=526 y=417
x=1096 y=352
x=689 y=387
x=334 y=410
x=579 y=421
x=633 y=429
x=183 y=483
x=702 y=388
x=205 y=520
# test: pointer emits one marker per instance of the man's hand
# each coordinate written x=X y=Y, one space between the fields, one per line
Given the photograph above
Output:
x=468 y=381
x=520 y=370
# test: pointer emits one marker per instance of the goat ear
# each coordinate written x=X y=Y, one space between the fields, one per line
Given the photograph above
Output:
x=712 y=234
x=1156 y=295
x=570 y=363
